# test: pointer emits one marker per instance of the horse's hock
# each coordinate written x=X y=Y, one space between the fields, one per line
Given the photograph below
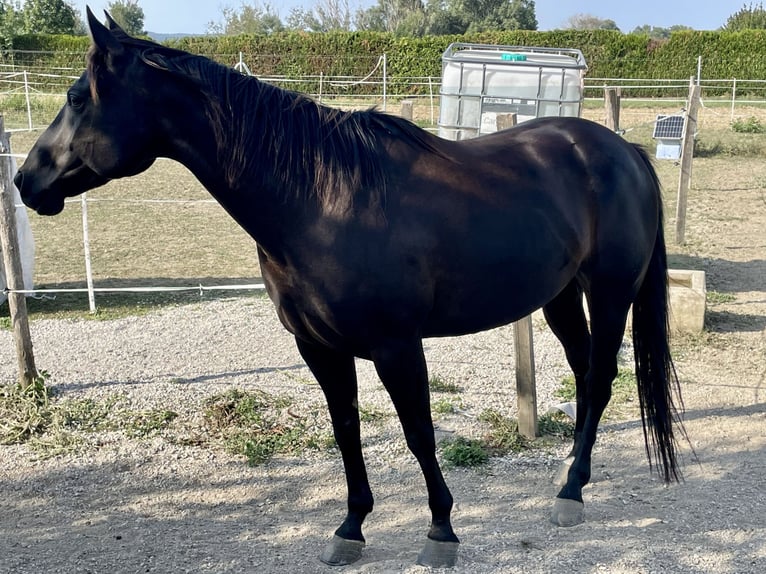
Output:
x=687 y=300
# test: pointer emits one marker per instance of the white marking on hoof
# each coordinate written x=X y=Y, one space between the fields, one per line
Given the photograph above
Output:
x=567 y=512
x=340 y=551
x=436 y=554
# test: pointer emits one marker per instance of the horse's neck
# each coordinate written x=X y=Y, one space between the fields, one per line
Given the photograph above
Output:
x=259 y=208
x=241 y=171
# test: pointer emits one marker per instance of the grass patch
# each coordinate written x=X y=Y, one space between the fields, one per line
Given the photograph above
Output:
x=502 y=438
x=751 y=125
x=730 y=144
x=623 y=387
x=555 y=424
x=567 y=390
x=716 y=297
x=258 y=426
x=87 y=415
x=24 y=412
x=142 y=424
x=445 y=406
x=464 y=452
x=440 y=385
x=53 y=427
x=372 y=415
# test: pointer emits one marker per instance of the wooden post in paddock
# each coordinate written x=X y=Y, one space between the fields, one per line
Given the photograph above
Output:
x=526 y=390
x=612 y=105
x=687 y=154
x=407 y=109
x=505 y=121
x=9 y=242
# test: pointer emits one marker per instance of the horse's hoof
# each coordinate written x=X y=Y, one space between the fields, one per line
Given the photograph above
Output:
x=436 y=554
x=340 y=551
x=567 y=512
x=562 y=474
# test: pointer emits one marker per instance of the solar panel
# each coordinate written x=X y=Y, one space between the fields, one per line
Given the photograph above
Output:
x=669 y=127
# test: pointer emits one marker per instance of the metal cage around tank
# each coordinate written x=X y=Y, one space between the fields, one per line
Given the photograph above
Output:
x=480 y=81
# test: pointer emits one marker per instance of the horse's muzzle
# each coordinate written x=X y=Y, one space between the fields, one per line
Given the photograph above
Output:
x=43 y=203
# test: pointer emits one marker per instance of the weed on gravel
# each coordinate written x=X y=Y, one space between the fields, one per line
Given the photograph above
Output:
x=503 y=438
x=259 y=425
x=51 y=427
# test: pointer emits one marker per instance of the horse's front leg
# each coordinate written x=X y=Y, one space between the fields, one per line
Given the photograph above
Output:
x=336 y=374
x=402 y=368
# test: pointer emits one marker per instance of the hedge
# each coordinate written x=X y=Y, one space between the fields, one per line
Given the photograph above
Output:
x=609 y=54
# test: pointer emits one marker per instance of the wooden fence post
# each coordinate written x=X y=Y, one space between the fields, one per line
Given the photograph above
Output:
x=505 y=121
x=407 y=111
x=687 y=155
x=612 y=104
x=9 y=242
x=526 y=389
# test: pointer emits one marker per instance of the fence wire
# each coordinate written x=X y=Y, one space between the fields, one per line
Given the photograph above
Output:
x=32 y=91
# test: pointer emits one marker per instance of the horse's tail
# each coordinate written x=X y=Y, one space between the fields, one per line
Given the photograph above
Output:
x=658 y=384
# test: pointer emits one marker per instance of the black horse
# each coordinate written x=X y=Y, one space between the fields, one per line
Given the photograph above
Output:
x=373 y=234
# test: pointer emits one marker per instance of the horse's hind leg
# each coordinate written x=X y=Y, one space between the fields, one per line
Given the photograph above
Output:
x=608 y=312
x=336 y=374
x=566 y=318
x=402 y=368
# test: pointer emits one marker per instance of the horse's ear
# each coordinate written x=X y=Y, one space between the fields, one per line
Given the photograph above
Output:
x=102 y=38
x=113 y=25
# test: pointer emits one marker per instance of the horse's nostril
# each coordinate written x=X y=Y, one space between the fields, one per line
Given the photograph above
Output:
x=18 y=180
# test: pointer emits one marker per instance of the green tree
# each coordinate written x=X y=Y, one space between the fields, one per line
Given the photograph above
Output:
x=326 y=16
x=397 y=16
x=128 y=14
x=482 y=15
x=248 y=19
x=752 y=17
x=416 y=18
x=657 y=32
x=50 y=17
x=11 y=21
x=442 y=21
x=590 y=22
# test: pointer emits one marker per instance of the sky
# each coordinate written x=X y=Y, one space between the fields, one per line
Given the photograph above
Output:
x=193 y=16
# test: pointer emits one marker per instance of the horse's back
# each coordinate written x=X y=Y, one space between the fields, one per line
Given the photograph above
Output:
x=523 y=212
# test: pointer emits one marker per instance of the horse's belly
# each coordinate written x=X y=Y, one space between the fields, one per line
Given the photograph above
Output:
x=490 y=303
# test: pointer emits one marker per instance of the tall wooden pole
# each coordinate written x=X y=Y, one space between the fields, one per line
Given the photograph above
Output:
x=687 y=154
x=612 y=105
x=9 y=242
x=526 y=387
x=407 y=109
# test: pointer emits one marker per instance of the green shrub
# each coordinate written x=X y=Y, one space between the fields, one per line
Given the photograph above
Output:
x=751 y=125
x=464 y=452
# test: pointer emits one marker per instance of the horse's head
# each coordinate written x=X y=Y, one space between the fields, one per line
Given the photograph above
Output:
x=106 y=129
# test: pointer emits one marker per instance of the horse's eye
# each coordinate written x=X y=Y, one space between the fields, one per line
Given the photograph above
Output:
x=74 y=100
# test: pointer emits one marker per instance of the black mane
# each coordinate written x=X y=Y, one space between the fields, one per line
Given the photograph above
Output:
x=315 y=150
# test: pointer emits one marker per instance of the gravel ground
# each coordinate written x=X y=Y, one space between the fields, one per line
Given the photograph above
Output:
x=153 y=505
